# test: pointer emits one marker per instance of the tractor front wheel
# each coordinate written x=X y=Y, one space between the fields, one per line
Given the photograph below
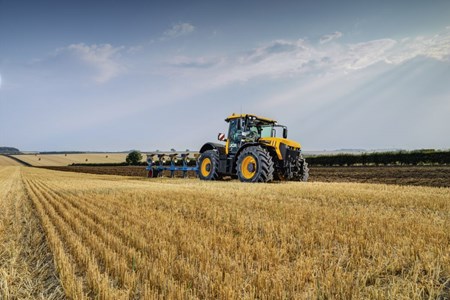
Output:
x=255 y=164
x=302 y=173
x=208 y=165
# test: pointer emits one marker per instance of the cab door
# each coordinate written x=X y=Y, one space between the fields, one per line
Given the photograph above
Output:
x=234 y=136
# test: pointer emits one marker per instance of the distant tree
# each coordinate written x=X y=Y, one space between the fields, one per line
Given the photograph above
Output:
x=9 y=150
x=134 y=158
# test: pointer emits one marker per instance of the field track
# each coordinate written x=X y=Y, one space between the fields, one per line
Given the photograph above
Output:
x=117 y=237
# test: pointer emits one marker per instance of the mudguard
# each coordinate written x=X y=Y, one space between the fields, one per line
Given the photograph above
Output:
x=213 y=146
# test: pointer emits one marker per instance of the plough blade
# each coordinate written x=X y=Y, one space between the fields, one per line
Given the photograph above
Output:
x=158 y=162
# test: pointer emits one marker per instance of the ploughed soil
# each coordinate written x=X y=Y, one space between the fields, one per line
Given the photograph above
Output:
x=438 y=176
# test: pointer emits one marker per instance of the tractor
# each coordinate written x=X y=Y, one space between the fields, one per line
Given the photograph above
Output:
x=254 y=151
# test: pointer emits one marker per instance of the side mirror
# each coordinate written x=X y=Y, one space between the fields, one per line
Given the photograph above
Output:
x=221 y=137
x=285 y=132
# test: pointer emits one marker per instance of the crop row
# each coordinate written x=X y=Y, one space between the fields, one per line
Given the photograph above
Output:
x=26 y=265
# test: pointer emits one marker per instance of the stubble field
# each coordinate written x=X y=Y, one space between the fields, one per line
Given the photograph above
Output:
x=39 y=160
x=6 y=161
x=112 y=237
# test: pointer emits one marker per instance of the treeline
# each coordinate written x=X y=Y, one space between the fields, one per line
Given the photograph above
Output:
x=9 y=150
x=416 y=157
x=62 y=152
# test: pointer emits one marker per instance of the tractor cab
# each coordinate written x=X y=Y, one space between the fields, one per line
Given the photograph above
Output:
x=246 y=128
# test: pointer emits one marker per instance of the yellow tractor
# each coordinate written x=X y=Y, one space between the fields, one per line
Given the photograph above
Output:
x=253 y=152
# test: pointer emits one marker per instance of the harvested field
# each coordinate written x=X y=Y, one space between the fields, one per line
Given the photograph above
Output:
x=68 y=159
x=26 y=262
x=118 y=237
x=6 y=161
x=438 y=176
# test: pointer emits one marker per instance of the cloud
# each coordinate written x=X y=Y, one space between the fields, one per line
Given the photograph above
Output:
x=196 y=62
x=329 y=37
x=277 y=47
x=104 y=58
x=178 y=30
x=287 y=58
x=362 y=55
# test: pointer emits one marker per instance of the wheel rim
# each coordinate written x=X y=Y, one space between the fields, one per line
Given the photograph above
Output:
x=248 y=167
x=205 y=168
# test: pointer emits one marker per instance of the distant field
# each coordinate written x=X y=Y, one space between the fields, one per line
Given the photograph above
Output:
x=6 y=161
x=40 y=160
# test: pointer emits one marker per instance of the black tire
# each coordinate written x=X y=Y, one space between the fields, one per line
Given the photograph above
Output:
x=302 y=170
x=208 y=165
x=255 y=164
x=152 y=173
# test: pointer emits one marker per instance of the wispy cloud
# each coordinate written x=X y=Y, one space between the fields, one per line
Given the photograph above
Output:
x=202 y=62
x=104 y=58
x=329 y=37
x=289 y=57
x=178 y=30
x=361 y=55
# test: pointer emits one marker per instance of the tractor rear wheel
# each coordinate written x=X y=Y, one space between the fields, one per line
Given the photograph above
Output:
x=208 y=165
x=255 y=164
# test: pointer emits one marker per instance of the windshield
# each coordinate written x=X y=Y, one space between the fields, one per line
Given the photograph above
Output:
x=271 y=131
x=252 y=129
x=266 y=131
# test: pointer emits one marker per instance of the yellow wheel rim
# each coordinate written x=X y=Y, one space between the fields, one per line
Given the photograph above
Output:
x=248 y=167
x=206 y=166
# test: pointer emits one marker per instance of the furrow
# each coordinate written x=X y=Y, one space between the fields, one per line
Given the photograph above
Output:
x=99 y=282
x=72 y=284
x=104 y=244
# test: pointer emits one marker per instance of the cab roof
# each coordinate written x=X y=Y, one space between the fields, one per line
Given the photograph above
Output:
x=239 y=116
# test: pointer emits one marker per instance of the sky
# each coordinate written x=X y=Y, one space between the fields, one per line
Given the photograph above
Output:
x=147 y=75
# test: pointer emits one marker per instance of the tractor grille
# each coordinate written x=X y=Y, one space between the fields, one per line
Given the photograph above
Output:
x=289 y=154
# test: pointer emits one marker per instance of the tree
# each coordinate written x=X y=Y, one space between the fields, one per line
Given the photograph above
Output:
x=134 y=158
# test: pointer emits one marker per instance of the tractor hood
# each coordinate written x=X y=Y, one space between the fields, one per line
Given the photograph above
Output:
x=276 y=142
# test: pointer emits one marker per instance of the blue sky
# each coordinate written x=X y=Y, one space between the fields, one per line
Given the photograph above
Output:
x=119 y=75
